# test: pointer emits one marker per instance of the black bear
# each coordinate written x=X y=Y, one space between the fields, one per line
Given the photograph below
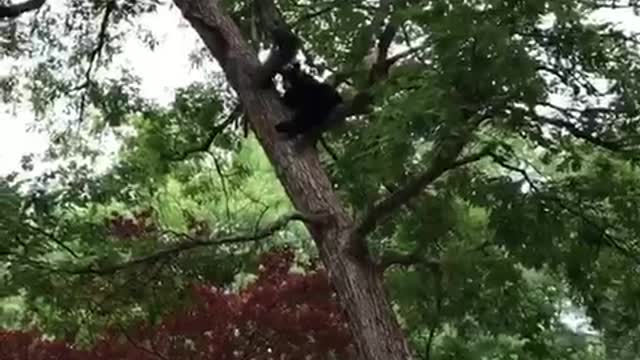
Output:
x=311 y=101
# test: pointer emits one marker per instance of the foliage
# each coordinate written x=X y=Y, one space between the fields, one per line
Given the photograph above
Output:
x=481 y=265
x=100 y=241
x=280 y=315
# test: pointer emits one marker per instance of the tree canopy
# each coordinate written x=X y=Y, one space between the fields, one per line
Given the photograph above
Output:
x=486 y=174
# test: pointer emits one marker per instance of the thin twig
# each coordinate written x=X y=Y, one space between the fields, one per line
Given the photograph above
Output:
x=51 y=237
x=217 y=130
x=140 y=347
x=94 y=56
x=223 y=182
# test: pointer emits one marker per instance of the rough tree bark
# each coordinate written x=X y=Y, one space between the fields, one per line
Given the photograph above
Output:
x=358 y=282
x=15 y=10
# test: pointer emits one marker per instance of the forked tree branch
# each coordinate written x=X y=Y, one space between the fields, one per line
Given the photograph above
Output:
x=446 y=159
x=13 y=11
x=380 y=69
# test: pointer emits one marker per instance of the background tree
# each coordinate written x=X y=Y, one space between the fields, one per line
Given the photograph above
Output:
x=486 y=172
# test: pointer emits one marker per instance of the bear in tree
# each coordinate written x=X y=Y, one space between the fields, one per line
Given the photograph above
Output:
x=311 y=101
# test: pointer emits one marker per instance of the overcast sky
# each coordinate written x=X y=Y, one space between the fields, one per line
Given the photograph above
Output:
x=162 y=70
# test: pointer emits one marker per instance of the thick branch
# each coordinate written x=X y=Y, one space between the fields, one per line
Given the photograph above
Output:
x=398 y=259
x=197 y=243
x=574 y=130
x=384 y=41
x=444 y=160
x=13 y=11
x=380 y=69
x=361 y=103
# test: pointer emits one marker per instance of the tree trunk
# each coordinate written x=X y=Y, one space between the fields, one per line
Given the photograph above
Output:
x=376 y=332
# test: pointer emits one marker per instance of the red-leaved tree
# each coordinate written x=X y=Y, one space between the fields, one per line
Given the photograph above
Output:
x=282 y=315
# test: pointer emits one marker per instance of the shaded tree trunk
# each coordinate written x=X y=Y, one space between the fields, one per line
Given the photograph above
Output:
x=359 y=285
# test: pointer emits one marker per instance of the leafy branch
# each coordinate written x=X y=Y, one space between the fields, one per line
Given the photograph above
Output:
x=612 y=241
x=445 y=159
x=95 y=54
x=194 y=243
x=217 y=130
x=38 y=230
